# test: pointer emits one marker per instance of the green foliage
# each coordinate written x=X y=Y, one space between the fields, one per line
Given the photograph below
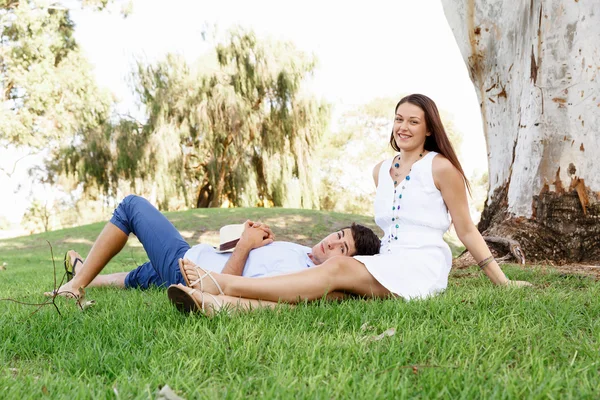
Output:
x=5 y=224
x=48 y=91
x=480 y=186
x=349 y=155
x=455 y=136
x=96 y=4
x=37 y=217
x=242 y=134
x=249 y=123
x=50 y=101
x=65 y=208
x=480 y=178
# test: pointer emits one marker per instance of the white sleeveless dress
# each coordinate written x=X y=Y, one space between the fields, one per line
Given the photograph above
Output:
x=414 y=260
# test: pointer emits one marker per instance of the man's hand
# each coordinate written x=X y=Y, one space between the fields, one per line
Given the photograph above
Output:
x=256 y=235
x=262 y=226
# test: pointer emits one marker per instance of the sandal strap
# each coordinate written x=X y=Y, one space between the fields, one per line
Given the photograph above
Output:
x=191 y=291
x=77 y=260
x=217 y=302
x=203 y=275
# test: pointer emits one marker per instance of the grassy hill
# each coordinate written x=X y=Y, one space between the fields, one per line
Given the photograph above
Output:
x=473 y=341
x=306 y=227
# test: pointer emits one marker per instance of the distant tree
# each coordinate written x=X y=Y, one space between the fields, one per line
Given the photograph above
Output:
x=5 y=224
x=47 y=88
x=38 y=217
x=242 y=133
x=534 y=66
x=48 y=94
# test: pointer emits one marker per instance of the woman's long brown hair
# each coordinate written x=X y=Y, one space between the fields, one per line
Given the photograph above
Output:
x=438 y=140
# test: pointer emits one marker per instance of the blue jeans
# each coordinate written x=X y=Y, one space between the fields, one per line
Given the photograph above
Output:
x=162 y=242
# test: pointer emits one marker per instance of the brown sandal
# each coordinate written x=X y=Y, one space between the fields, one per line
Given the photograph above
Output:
x=183 y=298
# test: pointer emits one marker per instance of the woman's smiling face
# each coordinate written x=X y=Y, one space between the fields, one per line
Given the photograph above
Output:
x=410 y=129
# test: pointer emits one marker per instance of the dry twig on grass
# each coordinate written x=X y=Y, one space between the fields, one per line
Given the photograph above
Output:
x=80 y=296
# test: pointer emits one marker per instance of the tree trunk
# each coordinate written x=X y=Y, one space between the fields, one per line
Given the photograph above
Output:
x=205 y=195
x=535 y=65
x=217 y=199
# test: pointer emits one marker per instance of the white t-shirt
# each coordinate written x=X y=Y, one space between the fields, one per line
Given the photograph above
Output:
x=273 y=259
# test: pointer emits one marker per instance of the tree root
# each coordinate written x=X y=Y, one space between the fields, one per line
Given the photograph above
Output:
x=498 y=245
x=513 y=246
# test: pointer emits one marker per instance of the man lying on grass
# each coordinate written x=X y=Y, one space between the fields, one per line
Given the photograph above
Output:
x=256 y=253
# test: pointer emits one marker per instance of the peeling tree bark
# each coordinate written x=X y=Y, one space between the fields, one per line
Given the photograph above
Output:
x=535 y=65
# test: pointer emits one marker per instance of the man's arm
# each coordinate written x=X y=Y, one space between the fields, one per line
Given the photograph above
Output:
x=255 y=235
x=237 y=261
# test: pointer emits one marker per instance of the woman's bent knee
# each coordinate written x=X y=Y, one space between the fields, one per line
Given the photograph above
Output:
x=351 y=275
x=342 y=267
x=335 y=265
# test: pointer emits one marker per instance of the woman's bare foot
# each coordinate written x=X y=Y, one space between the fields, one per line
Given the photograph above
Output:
x=193 y=300
x=199 y=278
x=211 y=304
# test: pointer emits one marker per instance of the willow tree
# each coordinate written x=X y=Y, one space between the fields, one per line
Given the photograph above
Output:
x=49 y=94
x=535 y=68
x=48 y=90
x=240 y=132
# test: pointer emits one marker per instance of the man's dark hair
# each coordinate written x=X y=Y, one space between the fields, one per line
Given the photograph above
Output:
x=365 y=240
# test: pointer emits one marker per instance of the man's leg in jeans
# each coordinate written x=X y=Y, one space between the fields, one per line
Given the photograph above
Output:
x=162 y=242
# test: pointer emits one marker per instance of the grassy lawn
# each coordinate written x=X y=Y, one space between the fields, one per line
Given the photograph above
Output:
x=473 y=341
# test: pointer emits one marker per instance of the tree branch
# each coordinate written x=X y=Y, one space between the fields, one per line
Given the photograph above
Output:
x=9 y=87
x=122 y=116
x=14 y=167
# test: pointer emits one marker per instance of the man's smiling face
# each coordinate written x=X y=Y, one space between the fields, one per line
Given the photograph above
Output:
x=340 y=243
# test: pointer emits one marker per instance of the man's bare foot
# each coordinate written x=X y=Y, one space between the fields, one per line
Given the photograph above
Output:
x=199 y=278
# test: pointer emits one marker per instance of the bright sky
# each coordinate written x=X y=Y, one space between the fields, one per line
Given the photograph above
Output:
x=365 y=50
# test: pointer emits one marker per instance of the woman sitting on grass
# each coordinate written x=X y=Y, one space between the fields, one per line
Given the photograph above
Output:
x=415 y=192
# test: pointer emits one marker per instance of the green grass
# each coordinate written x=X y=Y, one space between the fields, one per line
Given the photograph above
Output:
x=473 y=341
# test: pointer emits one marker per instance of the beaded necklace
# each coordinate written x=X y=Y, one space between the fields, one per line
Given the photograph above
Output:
x=398 y=192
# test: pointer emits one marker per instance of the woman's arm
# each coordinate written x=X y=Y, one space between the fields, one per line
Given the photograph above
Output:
x=452 y=186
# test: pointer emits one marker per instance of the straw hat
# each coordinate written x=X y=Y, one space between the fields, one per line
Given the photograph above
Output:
x=229 y=236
